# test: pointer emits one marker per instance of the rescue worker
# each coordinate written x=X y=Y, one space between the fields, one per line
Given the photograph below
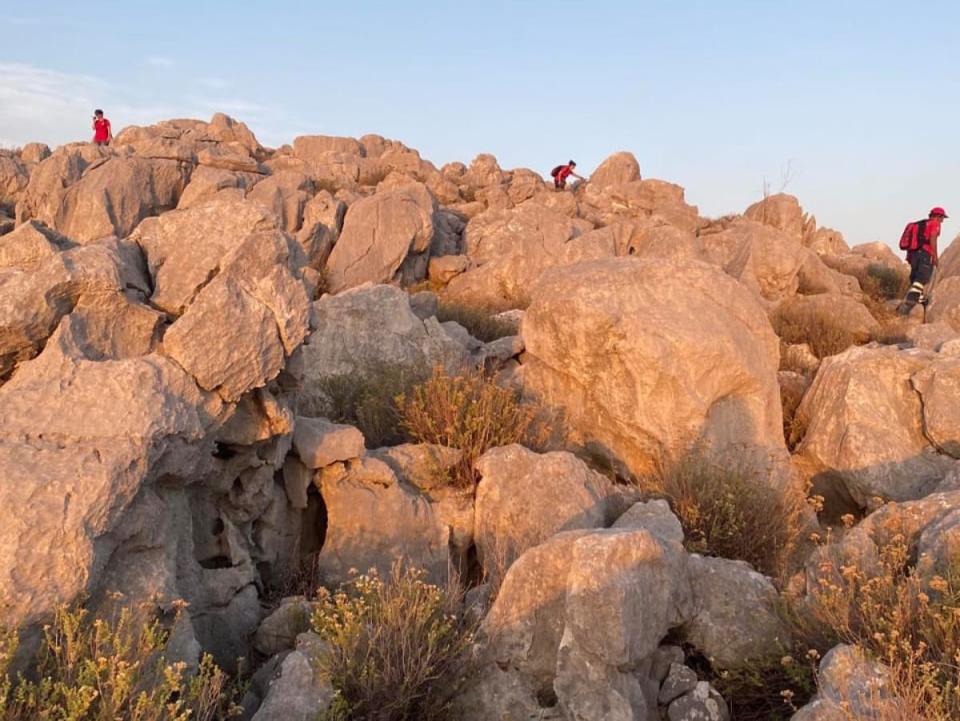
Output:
x=561 y=173
x=919 y=239
x=102 y=132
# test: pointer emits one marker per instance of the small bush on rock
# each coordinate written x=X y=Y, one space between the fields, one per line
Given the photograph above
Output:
x=823 y=336
x=726 y=511
x=885 y=283
x=481 y=323
x=468 y=411
x=396 y=649
x=98 y=670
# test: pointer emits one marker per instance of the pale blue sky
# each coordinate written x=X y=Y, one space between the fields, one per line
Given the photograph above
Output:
x=860 y=98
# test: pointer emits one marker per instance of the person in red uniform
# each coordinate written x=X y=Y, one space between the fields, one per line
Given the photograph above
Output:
x=102 y=133
x=561 y=173
x=922 y=257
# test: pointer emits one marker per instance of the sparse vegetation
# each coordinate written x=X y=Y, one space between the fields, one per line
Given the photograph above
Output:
x=824 y=337
x=481 y=323
x=907 y=621
x=397 y=649
x=92 y=669
x=885 y=283
x=726 y=511
x=470 y=412
x=367 y=400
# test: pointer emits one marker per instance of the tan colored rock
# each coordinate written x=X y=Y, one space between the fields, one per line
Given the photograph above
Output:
x=484 y=171
x=362 y=332
x=186 y=248
x=780 y=211
x=446 y=267
x=239 y=328
x=618 y=168
x=286 y=194
x=13 y=180
x=315 y=147
x=827 y=241
x=33 y=153
x=386 y=234
x=207 y=183
x=373 y=520
x=643 y=199
x=865 y=435
x=831 y=310
x=646 y=357
x=320 y=443
x=510 y=514
x=30 y=245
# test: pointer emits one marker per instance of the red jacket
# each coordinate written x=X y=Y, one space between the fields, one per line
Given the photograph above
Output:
x=930 y=231
x=101 y=130
x=565 y=172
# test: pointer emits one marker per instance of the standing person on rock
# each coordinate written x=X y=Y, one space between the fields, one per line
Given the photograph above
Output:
x=102 y=132
x=561 y=173
x=919 y=239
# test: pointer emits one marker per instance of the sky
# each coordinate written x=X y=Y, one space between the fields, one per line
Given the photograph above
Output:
x=850 y=105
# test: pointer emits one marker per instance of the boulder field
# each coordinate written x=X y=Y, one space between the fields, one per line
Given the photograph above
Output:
x=179 y=310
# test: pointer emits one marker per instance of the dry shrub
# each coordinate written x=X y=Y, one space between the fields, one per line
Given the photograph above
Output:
x=726 y=511
x=396 y=649
x=909 y=622
x=823 y=336
x=885 y=283
x=481 y=323
x=793 y=426
x=92 y=669
x=470 y=412
x=367 y=400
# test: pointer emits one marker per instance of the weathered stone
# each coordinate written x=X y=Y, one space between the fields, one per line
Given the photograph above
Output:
x=320 y=442
x=703 y=703
x=278 y=632
x=827 y=310
x=300 y=692
x=679 y=680
x=27 y=247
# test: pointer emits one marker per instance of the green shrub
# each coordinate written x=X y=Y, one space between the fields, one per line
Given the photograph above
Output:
x=91 y=669
x=470 y=412
x=726 y=511
x=367 y=400
x=481 y=323
x=397 y=649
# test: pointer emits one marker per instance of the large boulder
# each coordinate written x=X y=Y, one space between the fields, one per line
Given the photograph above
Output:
x=510 y=514
x=374 y=520
x=14 y=178
x=827 y=310
x=300 y=692
x=646 y=357
x=640 y=199
x=103 y=198
x=878 y=423
x=383 y=235
x=780 y=211
x=366 y=332
x=618 y=168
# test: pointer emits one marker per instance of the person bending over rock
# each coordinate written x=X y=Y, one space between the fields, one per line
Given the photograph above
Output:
x=919 y=239
x=561 y=173
x=102 y=133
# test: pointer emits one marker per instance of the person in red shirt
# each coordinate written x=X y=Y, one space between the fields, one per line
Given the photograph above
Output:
x=923 y=258
x=102 y=133
x=561 y=173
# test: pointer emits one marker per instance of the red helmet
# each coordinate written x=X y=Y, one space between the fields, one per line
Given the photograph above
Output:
x=939 y=211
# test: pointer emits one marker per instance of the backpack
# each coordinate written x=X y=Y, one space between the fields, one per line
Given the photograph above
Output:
x=913 y=235
x=556 y=171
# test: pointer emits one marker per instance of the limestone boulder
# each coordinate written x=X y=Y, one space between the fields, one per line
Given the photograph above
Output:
x=827 y=310
x=187 y=248
x=322 y=222
x=780 y=211
x=867 y=432
x=14 y=179
x=100 y=199
x=207 y=183
x=827 y=242
x=320 y=443
x=278 y=632
x=616 y=169
x=366 y=332
x=510 y=514
x=33 y=153
x=641 y=199
x=300 y=692
x=241 y=326
x=286 y=194
x=384 y=236
x=79 y=440
x=374 y=520
x=851 y=685
x=646 y=357
x=30 y=245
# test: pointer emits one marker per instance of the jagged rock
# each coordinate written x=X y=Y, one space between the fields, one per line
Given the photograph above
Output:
x=663 y=659
x=30 y=245
x=510 y=515
x=259 y=297
x=373 y=520
x=322 y=222
x=286 y=194
x=278 y=632
x=642 y=199
x=867 y=426
x=618 y=168
x=366 y=332
x=703 y=703
x=620 y=345
x=736 y=619
x=679 y=680
x=207 y=183
x=780 y=211
x=33 y=153
x=382 y=235
x=320 y=443
x=799 y=358
x=300 y=692
x=14 y=179
x=826 y=241
x=442 y=269
x=186 y=249
x=850 y=686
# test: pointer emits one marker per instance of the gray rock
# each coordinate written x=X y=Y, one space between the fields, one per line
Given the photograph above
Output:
x=319 y=442
x=703 y=703
x=299 y=693
x=679 y=681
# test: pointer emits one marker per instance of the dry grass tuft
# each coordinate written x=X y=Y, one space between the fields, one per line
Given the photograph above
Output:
x=397 y=649
x=470 y=412
x=824 y=338
x=481 y=323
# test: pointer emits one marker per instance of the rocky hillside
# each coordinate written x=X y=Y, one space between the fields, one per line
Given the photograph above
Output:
x=202 y=345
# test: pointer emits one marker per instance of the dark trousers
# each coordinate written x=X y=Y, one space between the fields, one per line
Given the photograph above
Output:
x=921 y=271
